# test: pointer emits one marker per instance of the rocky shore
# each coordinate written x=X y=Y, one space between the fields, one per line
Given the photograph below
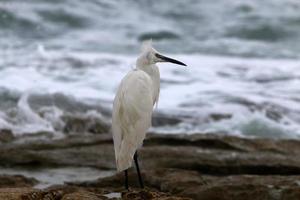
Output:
x=199 y=166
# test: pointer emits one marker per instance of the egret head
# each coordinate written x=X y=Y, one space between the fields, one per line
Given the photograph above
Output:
x=150 y=56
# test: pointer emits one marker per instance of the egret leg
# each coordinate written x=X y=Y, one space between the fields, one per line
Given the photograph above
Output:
x=135 y=157
x=126 y=180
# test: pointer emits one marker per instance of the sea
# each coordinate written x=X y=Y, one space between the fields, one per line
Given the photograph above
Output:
x=65 y=58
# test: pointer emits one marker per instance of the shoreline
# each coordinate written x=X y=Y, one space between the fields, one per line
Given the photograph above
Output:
x=199 y=166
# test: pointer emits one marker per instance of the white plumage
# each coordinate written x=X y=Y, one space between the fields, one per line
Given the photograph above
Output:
x=133 y=105
x=131 y=116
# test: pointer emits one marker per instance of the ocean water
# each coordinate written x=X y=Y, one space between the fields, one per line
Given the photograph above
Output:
x=65 y=58
x=55 y=176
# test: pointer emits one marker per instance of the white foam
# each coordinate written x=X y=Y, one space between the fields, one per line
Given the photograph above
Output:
x=28 y=121
x=207 y=85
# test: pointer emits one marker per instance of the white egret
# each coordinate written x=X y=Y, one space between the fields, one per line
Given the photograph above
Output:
x=133 y=106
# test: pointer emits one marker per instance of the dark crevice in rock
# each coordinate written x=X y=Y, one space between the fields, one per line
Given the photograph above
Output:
x=203 y=143
x=245 y=169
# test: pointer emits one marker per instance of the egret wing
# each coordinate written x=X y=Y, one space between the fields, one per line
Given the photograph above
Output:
x=132 y=111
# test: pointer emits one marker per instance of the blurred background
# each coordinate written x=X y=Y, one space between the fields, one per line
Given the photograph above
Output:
x=62 y=60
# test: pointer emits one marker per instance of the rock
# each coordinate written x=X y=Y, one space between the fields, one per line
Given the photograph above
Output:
x=192 y=184
x=160 y=119
x=16 y=194
x=85 y=150
x=83 y=195
x=291 y=193
x=274 y=115
x=195 y=166
x=149 y=195
x=64 y=192
x=219 y=116
x=67 y=192
x=6 y=136
x=210 y=154
x=158 y=35
x=16 y=181
x=83 y=124
x=222 y=154
x=163 y=180
x=30 y=194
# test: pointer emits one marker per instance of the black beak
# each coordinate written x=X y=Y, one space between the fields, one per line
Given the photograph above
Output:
x=171 y=60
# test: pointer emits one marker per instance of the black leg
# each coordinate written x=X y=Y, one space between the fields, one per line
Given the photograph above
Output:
x=126 y=180
x=138 y=170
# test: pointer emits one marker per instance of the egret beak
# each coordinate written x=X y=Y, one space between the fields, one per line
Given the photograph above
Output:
x=167 y=59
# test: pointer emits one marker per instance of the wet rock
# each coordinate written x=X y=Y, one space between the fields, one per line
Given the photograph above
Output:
x=6 y=136
x=45 y=135
x=274 y=114
x=67 y=192
x=16 y=181
x=95 y=151
x=77 y=193
x=291 y=193
x=219 y=116
x=159 y=35
x=160 y=119
x=83 y=124
x=194 y=185
x=195 y=166
x=222 y=154
x=210 y=154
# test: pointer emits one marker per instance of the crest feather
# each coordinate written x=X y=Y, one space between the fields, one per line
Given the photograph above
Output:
x=147 y=45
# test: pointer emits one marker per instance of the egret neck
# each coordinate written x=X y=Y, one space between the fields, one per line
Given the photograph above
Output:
x=153 y=72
